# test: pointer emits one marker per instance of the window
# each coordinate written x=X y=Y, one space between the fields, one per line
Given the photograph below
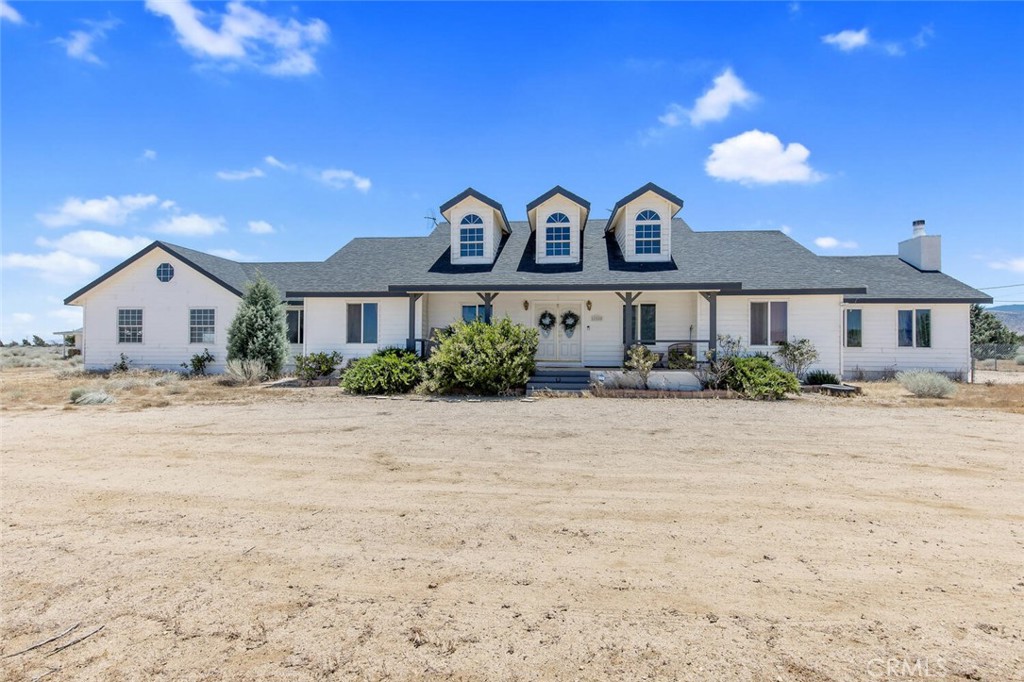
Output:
x=201 y=325
x=472 y=313
x=646 y=316
x=768 y=322
x=471 y=239
x=648 y=232
x=914 y=328
x=854 y=328
x=556 y=237
x=362 y=323
x=164 y=272
x=295 y=321
x=129 y=325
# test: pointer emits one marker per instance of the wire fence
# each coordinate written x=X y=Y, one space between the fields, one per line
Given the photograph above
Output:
x=998 y=356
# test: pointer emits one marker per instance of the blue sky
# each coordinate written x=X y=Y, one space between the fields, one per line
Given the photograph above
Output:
x=279 y=131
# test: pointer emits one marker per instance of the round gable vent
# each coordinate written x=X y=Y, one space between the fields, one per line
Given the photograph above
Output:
x=164 y=272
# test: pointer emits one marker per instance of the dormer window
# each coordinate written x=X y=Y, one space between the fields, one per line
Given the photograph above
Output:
x=471 y=236
x=558 y=235
x=648 y=232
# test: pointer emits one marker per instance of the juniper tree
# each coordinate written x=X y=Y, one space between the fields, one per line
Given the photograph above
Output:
x=258 y=331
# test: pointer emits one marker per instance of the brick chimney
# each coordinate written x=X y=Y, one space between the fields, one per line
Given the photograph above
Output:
x=923 y=251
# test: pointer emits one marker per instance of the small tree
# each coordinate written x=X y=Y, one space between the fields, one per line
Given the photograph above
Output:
x=38 y=341
x=259 y=331
x=641 y=359
x=986 y=329
x=797 y=355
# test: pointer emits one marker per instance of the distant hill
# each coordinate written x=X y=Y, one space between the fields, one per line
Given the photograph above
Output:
x=1011 y=315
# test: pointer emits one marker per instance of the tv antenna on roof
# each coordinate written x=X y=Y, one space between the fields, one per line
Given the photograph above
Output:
x=432 y=217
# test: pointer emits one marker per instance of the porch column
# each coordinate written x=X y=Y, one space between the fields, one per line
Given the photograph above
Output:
x=712 y=299
x=410 y=343
x=628 y=337
x=488 y=300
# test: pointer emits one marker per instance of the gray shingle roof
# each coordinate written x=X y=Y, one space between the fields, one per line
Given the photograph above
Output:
x=734 y=262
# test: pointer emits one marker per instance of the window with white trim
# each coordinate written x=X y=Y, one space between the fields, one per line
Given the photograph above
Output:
x=473 y=313
x=165 y=272
x=853 y=321
x=645 y=322
x=471 y=236
x=129 y=325
x=557 y=235
x=769 y=322
x=648 y=232
x=362 y=323
x=201 y=325
x=914 y=328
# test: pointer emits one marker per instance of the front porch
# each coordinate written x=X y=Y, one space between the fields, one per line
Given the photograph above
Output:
x=584 y=329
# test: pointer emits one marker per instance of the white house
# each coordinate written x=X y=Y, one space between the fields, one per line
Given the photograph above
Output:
x=641 y=274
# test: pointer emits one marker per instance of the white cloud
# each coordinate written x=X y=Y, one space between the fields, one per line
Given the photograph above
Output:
x=1012 y=264
x=191 y=225
x=95 y=243
x=759 y=158
x=833 y=243
x=79 y=44
x=786 y=229
x=232 y=254
x=22 y=317
x=277 y=163
x=714 y=105
x=794 y=9
x=245 y=36
x=342 y=179
x=848 y=40
x=73 y=316
x=8 y=13
x=169 y=205
x=106 y=211
x=261 y=227
x=240 y=174
x=923 y=37
x=56 y=266
x=149 y=155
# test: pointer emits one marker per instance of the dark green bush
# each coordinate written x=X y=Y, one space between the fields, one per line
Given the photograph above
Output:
x=122 y=365
x=478 y=357
x=197 y=364
x=819 y=377
x=316 y=365
x=760 y=379
x=384 y=372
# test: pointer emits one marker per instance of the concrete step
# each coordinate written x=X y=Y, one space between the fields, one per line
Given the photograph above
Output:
x=562 y=374
x=536 y=385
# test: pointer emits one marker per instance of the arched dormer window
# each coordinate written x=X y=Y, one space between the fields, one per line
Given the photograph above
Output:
x=471 y=236
x=648 y=232
x=556 y=235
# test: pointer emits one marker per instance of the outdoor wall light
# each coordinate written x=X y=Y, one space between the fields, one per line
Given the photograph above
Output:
x=589 y=305
x=526 y=304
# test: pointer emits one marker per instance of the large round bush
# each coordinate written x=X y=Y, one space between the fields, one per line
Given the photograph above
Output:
x=482 y=358
x=759 y=378
x=386 y=371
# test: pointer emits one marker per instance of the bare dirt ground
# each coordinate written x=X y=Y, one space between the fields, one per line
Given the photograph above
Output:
x=300 y=534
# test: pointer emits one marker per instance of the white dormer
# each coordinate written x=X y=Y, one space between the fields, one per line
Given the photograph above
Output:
x=558 y=218
x=477 y=226
x=642 y=224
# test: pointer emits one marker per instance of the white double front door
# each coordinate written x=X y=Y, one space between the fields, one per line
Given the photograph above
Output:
x=559 y=344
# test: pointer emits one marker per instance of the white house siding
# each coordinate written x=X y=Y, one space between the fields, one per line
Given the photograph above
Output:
x=492 y=230
x=601 y=326
x=880 y=353
x=817 y=318
x=626 y=228
x=165 y=315
x=326 y=325
x=558 y=204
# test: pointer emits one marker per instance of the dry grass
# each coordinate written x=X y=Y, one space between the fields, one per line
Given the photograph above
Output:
x=1001 y=397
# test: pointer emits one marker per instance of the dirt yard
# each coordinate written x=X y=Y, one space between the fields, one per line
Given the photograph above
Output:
x=300 y=534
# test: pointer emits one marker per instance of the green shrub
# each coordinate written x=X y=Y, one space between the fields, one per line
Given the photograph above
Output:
x=1019 y=359
x=258 y=330
x=681 y=359
x=197 y=364
x=760 y=379
x=122 y=365
x=482 y=358
x=384 y=372
x=316 y=365
x=797 y=355
x=926 y=384
x=641 y=359
x=819 y=377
